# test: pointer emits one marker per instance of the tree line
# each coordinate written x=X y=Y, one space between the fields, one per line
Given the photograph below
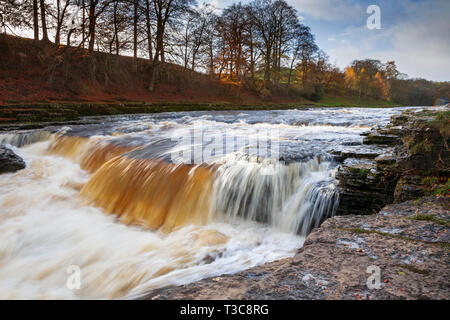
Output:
x=262 y=45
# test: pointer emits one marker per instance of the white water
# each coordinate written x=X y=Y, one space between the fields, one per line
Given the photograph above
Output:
x=46 y=226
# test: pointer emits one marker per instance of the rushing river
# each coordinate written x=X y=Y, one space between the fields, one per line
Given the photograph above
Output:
x=139 y=202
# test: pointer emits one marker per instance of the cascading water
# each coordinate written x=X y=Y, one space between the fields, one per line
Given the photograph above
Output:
x=115 y=200
x=293 y=198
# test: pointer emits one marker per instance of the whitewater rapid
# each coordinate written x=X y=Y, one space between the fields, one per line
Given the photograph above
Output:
x=109 y=200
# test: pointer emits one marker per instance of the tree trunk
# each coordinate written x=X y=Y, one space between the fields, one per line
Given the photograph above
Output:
x=211 y=60
x=83 y=24
x=69 y=35
x=267 y=67
x=92 y=23
x=135 y=22
x=151 y=86
x=252 y=61
x=36 y=19
x=58 y=22
x=43 y=19
x=149 y=30
x=116 y=29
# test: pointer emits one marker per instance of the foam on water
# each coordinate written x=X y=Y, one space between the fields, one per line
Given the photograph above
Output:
x=109 y=198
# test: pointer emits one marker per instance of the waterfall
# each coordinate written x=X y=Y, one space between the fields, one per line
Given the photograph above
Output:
x=154 y=193
x=21 y=139
x=293 y=198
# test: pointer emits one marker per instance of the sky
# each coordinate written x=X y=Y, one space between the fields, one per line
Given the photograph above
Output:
x=414 y=33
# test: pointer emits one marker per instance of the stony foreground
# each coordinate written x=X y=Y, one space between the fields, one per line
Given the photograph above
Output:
x=409 y=242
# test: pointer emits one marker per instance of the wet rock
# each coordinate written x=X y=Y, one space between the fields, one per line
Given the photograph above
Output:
x=411 y=254
x=385 y=159
x=9 y=161
x=357 y=152
x=415 y=149
x=409 y=187
x=363 y=189
x=381 y=139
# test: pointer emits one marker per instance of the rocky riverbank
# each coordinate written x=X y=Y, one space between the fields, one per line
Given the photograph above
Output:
x=407 y=159
x=407 y=242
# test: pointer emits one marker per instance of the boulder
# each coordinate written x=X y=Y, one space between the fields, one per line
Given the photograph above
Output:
x=9 y=161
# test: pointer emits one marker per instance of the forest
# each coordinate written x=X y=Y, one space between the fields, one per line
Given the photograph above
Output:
x=262 y=46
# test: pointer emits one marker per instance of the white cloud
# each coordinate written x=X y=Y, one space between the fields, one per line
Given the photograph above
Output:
x=329 y=10
x=419 y=42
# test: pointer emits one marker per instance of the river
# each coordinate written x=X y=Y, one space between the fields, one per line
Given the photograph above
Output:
x=138 y=202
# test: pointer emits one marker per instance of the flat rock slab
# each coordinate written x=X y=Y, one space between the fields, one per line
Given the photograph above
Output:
x=408 y=245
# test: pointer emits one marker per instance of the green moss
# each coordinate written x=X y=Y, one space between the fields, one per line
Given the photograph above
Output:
x=442 y=123
x=429 y=180
x=422 y=146
x=442 y=116
x=359 y=171
x=408 y=141
x=429 y=217
x=413 y=269
x=357 y=230
x=444 y=245
x=386 y=234
x=442 y=190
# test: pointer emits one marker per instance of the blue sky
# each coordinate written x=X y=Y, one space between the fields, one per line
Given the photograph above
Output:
x=414 y=33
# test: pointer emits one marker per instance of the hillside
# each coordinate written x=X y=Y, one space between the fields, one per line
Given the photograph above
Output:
x=36 y=72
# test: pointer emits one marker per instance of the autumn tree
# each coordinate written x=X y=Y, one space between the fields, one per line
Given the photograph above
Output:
x=351 y=80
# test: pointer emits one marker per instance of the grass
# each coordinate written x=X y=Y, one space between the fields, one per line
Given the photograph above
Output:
x=423 y=146
x=442 y=190
x=442 y=123
x=444 y=245
x=364 y=231
x=429 y=217
x=359 y=171
x=413 y=269
x=436 y=186
x=343 y=101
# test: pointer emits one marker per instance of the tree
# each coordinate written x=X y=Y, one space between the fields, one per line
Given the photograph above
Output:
x=302 y=39
x=262 y=14
x=61 y=11
x=18 y=14
x=351 y=80
x=231 y=26
x=164 y=11
x=287 y=24
x=96 y=8
x=35 y=20
x=379 y=87
x=43 y=20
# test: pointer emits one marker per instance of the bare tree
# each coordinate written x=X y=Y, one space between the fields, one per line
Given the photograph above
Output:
x=43 y=20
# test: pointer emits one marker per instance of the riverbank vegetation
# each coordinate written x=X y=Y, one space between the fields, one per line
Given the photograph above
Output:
x=179 y=51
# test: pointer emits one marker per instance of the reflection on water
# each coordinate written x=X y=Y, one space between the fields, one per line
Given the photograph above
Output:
x=116 y=199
